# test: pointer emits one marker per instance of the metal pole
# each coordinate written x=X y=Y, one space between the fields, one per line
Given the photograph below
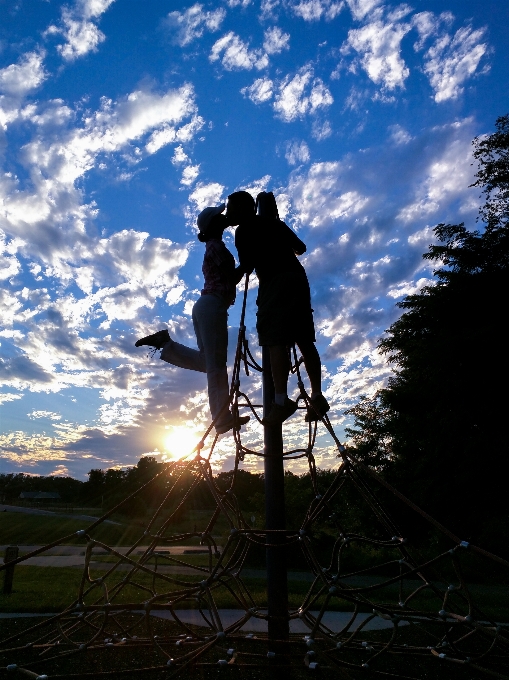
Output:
x=277 y=578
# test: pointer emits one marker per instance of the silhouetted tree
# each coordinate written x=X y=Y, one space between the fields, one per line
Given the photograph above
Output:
x=439 y=429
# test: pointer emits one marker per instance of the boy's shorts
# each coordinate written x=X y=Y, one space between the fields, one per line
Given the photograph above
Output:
x=284 y=310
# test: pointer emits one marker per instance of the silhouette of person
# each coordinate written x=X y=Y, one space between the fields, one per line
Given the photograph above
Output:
x=210 y=320
x=284 y=315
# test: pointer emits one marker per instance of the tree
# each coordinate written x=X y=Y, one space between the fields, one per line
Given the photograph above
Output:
x=441 y=419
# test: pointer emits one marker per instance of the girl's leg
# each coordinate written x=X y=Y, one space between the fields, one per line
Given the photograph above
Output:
x=210 y=318
x=179 y=355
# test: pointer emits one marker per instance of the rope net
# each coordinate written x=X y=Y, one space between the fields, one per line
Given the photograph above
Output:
x=370 y=598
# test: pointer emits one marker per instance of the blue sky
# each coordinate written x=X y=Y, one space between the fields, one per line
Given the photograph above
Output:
x=121 y=120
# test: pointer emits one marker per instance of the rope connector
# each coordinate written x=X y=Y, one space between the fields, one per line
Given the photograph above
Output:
x=81 y=532
x=464 y=544
x=271 y=655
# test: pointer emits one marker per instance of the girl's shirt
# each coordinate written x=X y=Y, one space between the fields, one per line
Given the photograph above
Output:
x=218 y=271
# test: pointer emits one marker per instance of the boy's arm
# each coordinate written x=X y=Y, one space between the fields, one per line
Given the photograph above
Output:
x=244 y=252
x=298 y=246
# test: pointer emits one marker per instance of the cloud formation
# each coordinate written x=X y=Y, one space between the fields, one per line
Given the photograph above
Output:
x=235 y=54
x=193 y=22
x=294 y=97
x=378 y=45
x=452 y=60
x=79 y=29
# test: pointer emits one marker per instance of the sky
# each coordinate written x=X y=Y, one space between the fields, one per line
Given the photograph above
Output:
x=120 y=120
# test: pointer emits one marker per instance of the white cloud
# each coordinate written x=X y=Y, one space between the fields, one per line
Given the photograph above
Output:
x=193 y=23
x=16 y=82
x=360 y=8
x=256 y=186
x=238 y=3
x=51 y=415
x=319 y=197
x=404 y=288
x=321 y=131
x=260 y=91
x=236 y=54
x=275 y=40
x=301 y=95
x=81 y=33
x=399 y=135
x=429 y=24
x=313 y=10
x=446 y=177
x=206 y=194
x=379 y=47
x=189 y=174
x=19 y=79
x=297 y=152
x=452 y=60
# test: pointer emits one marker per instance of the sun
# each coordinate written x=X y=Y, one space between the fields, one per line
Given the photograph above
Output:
x=180 y=442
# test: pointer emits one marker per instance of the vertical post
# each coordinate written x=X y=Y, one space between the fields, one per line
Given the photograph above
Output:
x=11 y=553
x=277 y=579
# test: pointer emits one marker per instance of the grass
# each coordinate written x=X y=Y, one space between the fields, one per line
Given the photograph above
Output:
x=24 y=529
x=51 y=589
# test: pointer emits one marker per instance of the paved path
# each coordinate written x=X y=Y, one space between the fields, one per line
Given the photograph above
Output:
x=333 y=620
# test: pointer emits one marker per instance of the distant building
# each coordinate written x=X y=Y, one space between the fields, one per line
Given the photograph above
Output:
x=39 y=496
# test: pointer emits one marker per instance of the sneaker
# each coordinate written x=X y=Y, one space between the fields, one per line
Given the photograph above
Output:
x=157 y=340
x=317 y=409
x=278 y=414
x=232 y=423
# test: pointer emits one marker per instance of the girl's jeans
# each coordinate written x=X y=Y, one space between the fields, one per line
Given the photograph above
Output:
x=210 y=321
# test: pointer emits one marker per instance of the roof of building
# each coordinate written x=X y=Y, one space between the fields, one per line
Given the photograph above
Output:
x=39 y=495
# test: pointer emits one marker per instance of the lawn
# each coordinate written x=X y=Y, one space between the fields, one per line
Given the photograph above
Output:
x=51 y=589
x=18 y=528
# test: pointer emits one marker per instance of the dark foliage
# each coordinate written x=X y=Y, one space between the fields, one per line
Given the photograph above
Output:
x=11 y=485
x=438 y=430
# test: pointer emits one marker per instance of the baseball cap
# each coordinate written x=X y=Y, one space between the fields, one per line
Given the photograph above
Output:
x=205 y=217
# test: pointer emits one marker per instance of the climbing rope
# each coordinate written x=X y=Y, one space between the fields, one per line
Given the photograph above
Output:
x=423 y=604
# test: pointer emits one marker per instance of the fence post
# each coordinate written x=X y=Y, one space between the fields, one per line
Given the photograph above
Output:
x=11 y=553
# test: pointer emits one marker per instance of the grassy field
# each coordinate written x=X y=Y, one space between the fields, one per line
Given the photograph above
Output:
x=23 y=529
x=51 y=589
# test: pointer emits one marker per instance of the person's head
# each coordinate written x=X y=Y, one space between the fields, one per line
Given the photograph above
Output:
x=241 y=205
x=211 y=223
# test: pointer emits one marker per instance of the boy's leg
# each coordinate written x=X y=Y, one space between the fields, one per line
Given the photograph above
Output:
x=319 y=404
x=280 y=367
x=313 y=365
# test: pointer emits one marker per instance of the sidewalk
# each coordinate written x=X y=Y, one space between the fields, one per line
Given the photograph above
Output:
x=333 y=620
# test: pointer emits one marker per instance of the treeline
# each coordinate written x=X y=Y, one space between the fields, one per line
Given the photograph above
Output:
x=11 y=485
x=108 y=488
x=438 y=430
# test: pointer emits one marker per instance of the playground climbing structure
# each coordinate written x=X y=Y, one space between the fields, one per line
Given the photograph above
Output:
x=373 y=571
